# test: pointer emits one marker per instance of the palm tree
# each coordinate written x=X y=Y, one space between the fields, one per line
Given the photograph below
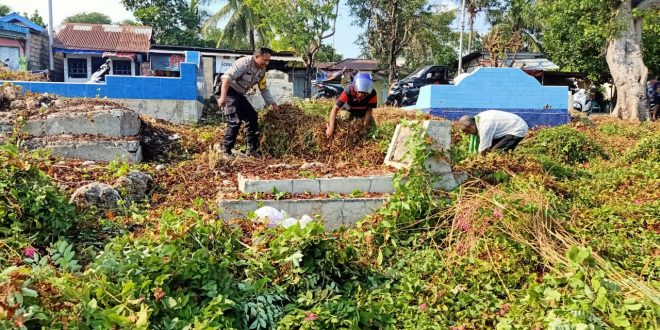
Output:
x=473 y=7
x=242 y=22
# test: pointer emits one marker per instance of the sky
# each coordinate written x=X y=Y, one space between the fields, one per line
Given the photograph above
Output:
x=344 y=40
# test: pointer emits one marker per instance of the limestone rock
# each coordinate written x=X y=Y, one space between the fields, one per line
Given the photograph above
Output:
x=307 y=166
x=135 y=185
x=96 y=194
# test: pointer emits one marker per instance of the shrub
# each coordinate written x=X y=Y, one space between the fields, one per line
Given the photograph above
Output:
x=647 y=148
x=31 y=203
x=564 y=144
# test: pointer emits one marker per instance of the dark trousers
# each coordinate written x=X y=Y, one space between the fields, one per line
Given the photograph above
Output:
x=238 y=109
x=506 y=143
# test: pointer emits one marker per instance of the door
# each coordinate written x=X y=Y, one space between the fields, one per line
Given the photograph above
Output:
x=10 y=56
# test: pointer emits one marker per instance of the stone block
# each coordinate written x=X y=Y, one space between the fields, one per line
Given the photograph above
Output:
x=249 y=186
x=345 y=185
x=448 y=181
x=113 y=123
x=96 y=150
x=381 y=184
x=301 y=186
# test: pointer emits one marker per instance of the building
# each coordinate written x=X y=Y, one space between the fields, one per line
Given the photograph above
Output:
x=23 y=43
x=85 y=47
x=216 y=62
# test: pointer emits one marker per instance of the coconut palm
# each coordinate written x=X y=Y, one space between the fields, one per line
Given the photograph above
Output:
x=242 y=24
x=472 y=8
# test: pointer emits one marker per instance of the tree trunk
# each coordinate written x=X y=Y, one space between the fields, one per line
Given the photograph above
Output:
x=252 y=42
x=309 y=71
x=470 y=34
x=624 y=58
x=393 y=43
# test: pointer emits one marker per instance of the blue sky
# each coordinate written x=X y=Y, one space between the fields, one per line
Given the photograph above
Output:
x=344 y=39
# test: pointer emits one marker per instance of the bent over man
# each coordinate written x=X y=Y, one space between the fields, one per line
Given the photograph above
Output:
x=498 y=130
x=358 y=99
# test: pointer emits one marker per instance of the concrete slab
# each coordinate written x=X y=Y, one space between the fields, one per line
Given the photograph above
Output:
x=249 y=186
x=175 y=111
x=438 y=131
x=301 y=186
x=340 y=185
x=107 y=123
x=334 y=212
x=96 y=150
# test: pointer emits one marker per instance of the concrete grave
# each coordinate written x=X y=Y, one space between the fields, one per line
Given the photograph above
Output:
x=112 y=123
x=334 y=212
x=341 y=185
x=96 y=150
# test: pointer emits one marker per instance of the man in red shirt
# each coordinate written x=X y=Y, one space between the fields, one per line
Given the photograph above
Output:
x=359 y=99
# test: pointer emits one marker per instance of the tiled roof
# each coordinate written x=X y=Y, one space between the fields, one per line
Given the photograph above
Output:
x=104 y=37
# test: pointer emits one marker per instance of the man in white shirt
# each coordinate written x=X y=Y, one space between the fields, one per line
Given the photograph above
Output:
x=498 y=130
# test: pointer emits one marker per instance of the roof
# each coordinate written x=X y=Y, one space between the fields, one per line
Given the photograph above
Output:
x=359 y=64
x=207 y=51
x=4 y=26
x=323 y=65
x=134 y=39
x=17 y=19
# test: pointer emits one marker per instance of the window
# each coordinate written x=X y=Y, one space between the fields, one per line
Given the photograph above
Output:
x=121 y=68
x=77 y=67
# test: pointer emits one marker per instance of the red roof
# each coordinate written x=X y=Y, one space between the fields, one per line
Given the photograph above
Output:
x=115 y=38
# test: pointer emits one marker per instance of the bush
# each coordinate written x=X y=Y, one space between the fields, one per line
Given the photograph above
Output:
x=31 y=203
x=647 y=148
x=564 y=144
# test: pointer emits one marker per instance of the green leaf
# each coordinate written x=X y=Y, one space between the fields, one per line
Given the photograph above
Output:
x=619 y=320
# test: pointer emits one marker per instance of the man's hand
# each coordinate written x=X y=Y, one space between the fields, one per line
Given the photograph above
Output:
x=275 y=107
x=222 y=101
x=329 y=131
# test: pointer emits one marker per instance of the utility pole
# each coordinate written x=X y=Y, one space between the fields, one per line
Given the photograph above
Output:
x=460 y=41
x=51 y=31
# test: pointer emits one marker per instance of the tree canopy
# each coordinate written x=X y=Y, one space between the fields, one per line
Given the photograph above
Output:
x=91 y=18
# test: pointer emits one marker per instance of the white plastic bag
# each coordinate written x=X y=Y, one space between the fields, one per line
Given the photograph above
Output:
x=270 y=214
x=288 y=222
x=305 y=220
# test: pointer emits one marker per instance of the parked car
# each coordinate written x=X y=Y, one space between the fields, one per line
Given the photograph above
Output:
x=404 y=92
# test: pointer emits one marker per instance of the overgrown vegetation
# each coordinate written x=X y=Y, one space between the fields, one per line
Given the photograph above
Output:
x=519 y=246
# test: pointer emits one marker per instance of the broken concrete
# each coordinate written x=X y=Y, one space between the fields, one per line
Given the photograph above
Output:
x=96 y=150
x=112 y=123
x=334 y=212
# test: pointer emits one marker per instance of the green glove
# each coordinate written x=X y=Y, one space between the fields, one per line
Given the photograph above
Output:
x=474 y=144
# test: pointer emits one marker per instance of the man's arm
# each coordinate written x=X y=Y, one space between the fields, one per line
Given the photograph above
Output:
x=331 y=121
x=223 y=92
x=367 y=117
x=265 y=93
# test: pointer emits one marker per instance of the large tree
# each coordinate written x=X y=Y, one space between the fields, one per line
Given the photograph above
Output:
x=91 y=18
x=299 y=25
x=175 y=22
x=651 y=41
x=601 y=37
x=242 y=24
x=35 y=18
x=390 y=26
x=434 y=43
x=4 y=10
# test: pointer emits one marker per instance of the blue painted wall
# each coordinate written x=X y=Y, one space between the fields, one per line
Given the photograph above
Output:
x=507 y=89
x=129 y=87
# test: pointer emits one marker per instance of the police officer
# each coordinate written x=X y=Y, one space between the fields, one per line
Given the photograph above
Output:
x=239 y=78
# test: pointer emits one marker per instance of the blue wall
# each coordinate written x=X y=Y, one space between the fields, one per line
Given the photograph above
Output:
x=129 y=87
x=507 y=89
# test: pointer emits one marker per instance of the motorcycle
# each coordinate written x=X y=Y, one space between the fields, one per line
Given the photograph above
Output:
x=326 y=90
x=402 y=95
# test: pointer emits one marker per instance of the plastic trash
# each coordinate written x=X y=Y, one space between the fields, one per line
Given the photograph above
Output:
x=271 y=214
x=288 y=222
x=305 y=220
